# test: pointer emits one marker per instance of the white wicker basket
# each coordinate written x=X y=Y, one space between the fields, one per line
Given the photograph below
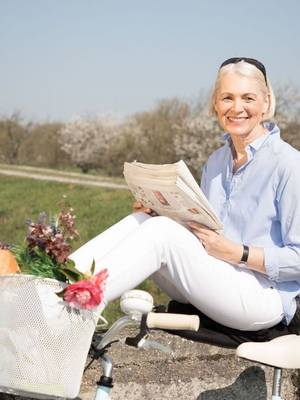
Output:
x=43 y=343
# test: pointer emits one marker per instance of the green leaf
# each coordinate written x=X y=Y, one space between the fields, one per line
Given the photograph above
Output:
x=60 y=294
x=92 y=269
x=71 y=272
x=38 y=263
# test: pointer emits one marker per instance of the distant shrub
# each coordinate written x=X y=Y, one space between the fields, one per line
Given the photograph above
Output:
x=148 y=136
x=12 y=134
x=198 y=136
x=86 y=141
x=41 y=147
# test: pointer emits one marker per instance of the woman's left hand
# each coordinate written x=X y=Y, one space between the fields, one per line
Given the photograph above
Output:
x=216 y=244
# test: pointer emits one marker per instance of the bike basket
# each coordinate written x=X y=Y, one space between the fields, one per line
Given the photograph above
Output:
x=43 y=343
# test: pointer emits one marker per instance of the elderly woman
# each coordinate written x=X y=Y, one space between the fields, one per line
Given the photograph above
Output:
x=248 y=277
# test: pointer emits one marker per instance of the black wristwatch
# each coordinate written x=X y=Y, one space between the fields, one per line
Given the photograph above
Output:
x=245 y=255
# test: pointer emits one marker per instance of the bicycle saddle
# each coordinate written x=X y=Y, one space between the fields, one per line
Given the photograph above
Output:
x=281 y=352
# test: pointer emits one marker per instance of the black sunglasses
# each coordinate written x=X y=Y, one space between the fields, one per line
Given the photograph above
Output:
x=253 y=61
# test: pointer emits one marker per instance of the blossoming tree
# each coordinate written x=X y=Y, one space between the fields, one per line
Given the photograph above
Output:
x=86 y=140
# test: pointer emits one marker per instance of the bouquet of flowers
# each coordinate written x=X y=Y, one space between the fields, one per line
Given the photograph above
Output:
x=45 y=252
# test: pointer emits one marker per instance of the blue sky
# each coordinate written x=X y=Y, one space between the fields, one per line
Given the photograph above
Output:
x=66 y=57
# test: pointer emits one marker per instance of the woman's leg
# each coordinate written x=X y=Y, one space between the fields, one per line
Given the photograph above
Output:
x=96 y=248
x=230 y=295
x=164 y=281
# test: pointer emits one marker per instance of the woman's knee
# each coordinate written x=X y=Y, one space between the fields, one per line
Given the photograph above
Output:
x=160 y=224
x=163 y=228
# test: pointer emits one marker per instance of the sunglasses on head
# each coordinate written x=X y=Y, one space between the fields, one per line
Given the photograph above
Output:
x=252 y=61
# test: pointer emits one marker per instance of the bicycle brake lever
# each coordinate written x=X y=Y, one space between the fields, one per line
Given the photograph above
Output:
x=152 y=344
x=143 y=333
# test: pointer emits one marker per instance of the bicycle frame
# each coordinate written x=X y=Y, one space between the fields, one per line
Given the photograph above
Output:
x=105 y=384
x=146 y=322
x=277 y=384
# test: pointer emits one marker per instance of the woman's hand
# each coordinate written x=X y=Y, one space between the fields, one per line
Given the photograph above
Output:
x=138 y=207
x=216 y=244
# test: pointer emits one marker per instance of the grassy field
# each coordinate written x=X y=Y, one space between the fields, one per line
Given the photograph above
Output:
x=95 y=209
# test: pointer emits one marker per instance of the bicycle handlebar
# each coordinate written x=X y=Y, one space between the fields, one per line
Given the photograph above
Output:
x=173 y=321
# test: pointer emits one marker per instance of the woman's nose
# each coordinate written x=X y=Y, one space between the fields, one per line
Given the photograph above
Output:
x=237 y=106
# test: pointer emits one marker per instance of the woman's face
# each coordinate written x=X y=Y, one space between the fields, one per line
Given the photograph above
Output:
x=240 y=105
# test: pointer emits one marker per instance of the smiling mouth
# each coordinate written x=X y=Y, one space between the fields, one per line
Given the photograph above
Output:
x=237 y=119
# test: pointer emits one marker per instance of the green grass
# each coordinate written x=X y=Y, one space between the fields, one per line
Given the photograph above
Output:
x=96 y=209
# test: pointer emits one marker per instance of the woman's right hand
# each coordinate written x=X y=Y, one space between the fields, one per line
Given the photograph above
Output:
x=139 y=207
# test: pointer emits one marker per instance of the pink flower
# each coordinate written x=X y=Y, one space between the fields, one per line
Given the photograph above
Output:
x=99 y=278
x=87 y=293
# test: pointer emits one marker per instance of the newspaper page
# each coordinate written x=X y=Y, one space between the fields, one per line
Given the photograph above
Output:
x=170 y=190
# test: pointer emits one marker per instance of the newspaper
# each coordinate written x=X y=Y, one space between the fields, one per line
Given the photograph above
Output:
x=170 y=190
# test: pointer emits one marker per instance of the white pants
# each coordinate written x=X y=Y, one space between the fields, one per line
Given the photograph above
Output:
x=140 y=246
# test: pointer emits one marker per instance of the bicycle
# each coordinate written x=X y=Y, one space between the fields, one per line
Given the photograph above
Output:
x=137 y=306
x=282 y=352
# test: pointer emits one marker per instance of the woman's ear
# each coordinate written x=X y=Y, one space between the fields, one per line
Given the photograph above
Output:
x=215 y=106
x=267 y=103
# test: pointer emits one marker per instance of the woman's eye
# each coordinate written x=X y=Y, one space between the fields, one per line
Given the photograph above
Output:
x=248 y=98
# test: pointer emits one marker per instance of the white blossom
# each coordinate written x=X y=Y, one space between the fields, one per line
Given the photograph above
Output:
x=86 y=140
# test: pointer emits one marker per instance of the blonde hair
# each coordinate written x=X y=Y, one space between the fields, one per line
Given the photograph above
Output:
x=245 y=69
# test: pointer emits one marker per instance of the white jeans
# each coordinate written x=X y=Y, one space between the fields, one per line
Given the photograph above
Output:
x=140 y=246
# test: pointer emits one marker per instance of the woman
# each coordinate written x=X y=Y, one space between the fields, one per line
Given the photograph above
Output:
x=246 y=278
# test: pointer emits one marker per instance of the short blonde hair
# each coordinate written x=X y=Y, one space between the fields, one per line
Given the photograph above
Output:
x=244 y=68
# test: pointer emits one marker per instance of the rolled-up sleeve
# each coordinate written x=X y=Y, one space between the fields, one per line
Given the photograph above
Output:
x=283 y=263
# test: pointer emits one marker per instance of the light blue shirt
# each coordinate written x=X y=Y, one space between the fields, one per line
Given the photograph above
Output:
x=259 y=205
